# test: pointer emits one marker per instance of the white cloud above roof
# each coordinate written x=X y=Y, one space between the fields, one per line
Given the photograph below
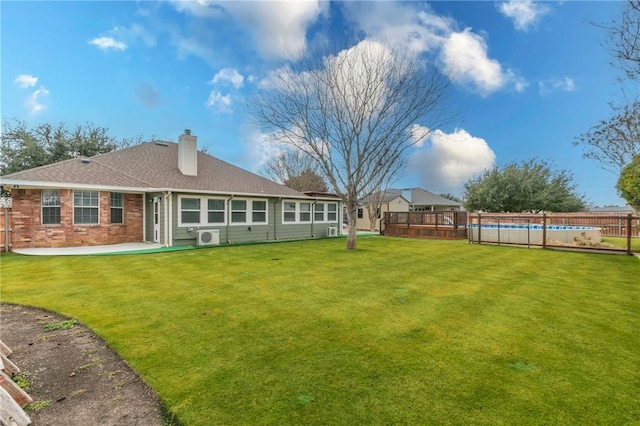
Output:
x=462 y=55
x=108 y=43
x=464 y=58
x=228 y=76
x=562 y=84
x=219 y=102
x=34 y=103
x=278 y=29
x=25 y=80
x=443 y=161
x=523 y=13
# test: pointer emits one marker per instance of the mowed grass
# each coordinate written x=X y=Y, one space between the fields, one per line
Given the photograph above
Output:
x=621 y=242
x=401 y=331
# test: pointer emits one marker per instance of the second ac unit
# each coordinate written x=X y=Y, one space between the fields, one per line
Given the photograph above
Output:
x=332 y=231
x=208 y=237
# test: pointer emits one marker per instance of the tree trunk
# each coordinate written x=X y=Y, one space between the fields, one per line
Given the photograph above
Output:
x=351 y=236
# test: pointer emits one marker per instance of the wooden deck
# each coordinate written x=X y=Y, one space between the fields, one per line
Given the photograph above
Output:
x=448 y=225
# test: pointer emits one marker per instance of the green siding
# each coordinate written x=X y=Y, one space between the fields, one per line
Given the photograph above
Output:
x=274 y=230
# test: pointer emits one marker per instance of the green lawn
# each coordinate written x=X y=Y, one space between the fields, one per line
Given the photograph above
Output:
x=622 y=242
x=401 y=331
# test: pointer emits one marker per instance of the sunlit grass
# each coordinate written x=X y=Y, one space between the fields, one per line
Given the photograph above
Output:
x=622 y=242
x=399 y=332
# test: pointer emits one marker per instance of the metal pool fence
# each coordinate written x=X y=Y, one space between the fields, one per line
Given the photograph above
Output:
x=557 y=230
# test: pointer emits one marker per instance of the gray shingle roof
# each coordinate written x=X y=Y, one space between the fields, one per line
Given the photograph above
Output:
x=422 y=197
x=152 y=166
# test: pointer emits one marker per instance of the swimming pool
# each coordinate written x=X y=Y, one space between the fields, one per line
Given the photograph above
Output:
x=514 y=233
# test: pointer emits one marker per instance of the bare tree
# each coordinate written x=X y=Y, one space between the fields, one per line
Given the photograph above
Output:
x=614 y=142
x=624 y=40
x=296 y=170
x=355 y=113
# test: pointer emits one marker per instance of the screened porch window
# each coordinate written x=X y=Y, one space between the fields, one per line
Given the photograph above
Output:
x=190 y=210
x=215 y=211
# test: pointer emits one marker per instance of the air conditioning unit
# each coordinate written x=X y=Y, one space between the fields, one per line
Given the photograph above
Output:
x=208 y=237
x=332 y=231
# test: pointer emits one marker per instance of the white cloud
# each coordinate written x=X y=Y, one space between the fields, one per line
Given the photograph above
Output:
x=219 y=102
x=25 y=80
x=228 y=76
x=34 y=102
x=443 y=161
x=463 y=55
x=278 y=29
x=106 y=43
x=524 y=13
x=564 y=84
x=464 y=58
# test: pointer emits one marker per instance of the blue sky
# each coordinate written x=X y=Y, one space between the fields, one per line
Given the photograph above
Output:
x=529 y=76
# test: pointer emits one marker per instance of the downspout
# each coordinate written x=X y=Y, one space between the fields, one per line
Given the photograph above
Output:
x=167 y=215
x=275 y=217
x=313 y=216
x=228 y=201
x=170 y=219
x=144 y=218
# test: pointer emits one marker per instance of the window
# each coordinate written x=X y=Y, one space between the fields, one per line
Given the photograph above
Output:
x=259 y=211
x=332 y=212
x=215 y=211
x=50 y=207
x=190 y=210
x=117 y=208
x=238 y=211
x=360 y=213
x=85 y=207
x=305 y=212
x=289 y=213
x=319 y=212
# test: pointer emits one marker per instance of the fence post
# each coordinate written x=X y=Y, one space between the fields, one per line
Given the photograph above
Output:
x=629 y=234
x=544 y=230
x=479 y=229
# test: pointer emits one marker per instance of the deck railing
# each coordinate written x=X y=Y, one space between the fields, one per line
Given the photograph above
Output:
x=447 y=224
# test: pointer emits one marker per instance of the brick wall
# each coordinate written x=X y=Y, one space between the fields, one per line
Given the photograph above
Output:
x=28 y=230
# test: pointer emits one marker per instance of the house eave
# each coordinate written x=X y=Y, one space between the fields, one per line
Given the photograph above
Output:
x=23 y=184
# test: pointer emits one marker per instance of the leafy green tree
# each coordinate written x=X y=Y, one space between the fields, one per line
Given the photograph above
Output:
x=532 y=186
x=629 y=183
x=25 y=147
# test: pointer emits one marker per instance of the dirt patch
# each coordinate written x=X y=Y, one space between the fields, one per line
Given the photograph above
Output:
x=74 y=377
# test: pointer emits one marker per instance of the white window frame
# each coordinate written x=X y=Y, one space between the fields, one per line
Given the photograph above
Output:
x=245 y=211
x=265 y=211
x=53 y=194
x=325 y=211
x=181 y=210
x=298 y=213
x=96 y=207
x=223 y=211
x=113 y=207
x=227 y=213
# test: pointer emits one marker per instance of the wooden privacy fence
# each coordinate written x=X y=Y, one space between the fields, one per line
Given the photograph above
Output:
x=578 y=230
x=445 y=224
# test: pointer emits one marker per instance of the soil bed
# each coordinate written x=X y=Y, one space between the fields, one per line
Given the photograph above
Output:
x=74 y=377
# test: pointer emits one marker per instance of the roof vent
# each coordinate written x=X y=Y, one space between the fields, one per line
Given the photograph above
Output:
x=85 y=161
x=160 y=143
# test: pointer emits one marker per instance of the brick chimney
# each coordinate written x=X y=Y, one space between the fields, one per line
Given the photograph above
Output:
x=188 y=154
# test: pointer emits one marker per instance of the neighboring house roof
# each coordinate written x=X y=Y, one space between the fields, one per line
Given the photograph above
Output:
x=146 y=167
x=422 y=197
x=613 y=209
